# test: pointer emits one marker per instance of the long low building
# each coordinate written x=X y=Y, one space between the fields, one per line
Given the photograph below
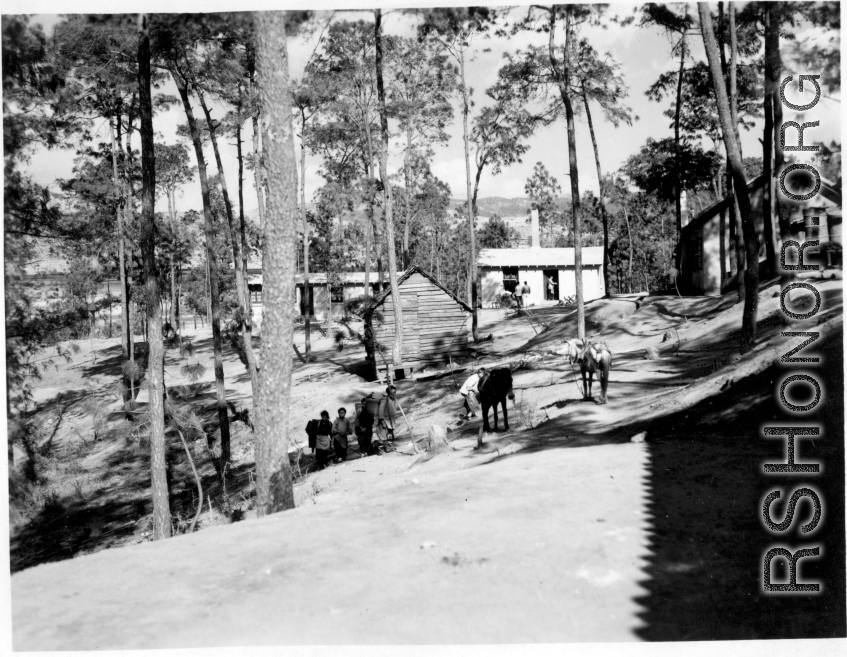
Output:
x=346 y=287
x=504 y=269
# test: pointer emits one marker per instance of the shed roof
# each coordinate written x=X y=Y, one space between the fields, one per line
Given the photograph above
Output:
x=382 y=296
x=538 y=257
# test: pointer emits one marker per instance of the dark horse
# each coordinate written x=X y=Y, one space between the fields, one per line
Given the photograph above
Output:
x=495 y=387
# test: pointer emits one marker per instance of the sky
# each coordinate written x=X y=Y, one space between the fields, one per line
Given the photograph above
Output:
x=642 y=53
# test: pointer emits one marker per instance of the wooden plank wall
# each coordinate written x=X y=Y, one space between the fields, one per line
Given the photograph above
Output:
x=431 y=321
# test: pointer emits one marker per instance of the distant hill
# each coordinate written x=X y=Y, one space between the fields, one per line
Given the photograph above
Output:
x=505 y=207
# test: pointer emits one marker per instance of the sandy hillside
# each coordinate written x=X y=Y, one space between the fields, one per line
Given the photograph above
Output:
x=560 y=529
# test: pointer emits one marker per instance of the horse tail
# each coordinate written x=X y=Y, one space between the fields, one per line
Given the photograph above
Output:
x=605 y=368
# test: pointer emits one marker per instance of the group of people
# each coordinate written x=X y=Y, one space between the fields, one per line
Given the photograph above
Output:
x=329 y=440
x=518 y=295
x=522 y=292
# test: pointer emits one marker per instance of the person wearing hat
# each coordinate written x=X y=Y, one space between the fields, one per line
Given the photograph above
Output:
x=323 y=440
x=386 y=416
x=471 y=387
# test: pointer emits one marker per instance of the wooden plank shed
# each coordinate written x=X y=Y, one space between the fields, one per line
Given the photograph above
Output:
x=433 y=322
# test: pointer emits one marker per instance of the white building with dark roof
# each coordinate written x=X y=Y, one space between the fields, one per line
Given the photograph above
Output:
x=504 y=269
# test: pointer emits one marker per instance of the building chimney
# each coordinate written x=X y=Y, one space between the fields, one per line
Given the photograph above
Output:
x=536 y=232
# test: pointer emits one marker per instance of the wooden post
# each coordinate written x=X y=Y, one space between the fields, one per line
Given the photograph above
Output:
x=408 y=427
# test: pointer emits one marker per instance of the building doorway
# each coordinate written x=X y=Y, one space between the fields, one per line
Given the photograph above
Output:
x=551 y=284
x=510 y=279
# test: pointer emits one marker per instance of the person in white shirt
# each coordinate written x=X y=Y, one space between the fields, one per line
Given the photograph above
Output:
x=471 y=387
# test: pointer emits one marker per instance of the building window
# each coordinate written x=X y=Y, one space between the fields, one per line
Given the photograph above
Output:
x=256 y=295
x=337 y=292
x=510 y=279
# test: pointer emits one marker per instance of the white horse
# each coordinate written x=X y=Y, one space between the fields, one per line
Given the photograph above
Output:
x=592 y=357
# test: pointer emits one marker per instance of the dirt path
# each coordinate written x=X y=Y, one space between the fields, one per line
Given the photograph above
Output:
x=526 y=540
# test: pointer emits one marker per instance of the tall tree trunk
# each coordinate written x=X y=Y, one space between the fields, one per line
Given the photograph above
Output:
x=735 y=232
x=629 y=239
x=432 y=252
x=397 y=355
x=241 y=288
x=773 y=109
x=109 y=298
x=722 y=231
x=733 y=76
x=174 y=290
x=374 y=220
x=377 y=246
x=208 y=294
x=733 y=109
x=247 y=326
x=274 y=489
x=147 y=242
x=127 y=222
x=367 y=227
x=307 y=319
x=212 y=269
x=472 y=274
x=602 y=204
x=368 y=240
x=257 y=169
x=751 y=242
x=563 y=81
x=254 y=121
x=480 y=165
x=407 y=169
x=126 y=336
x=330 y=279
x=676 y=153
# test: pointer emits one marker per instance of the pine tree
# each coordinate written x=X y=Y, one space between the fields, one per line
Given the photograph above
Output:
x=175 y=39
x=454 y=30
x=155 y=346
x=751 y=241
x=397 y=353
x=274 y=490
x=172 y=172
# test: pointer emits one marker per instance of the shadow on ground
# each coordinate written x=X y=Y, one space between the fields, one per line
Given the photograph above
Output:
x=705 y=484
x=704 y=578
